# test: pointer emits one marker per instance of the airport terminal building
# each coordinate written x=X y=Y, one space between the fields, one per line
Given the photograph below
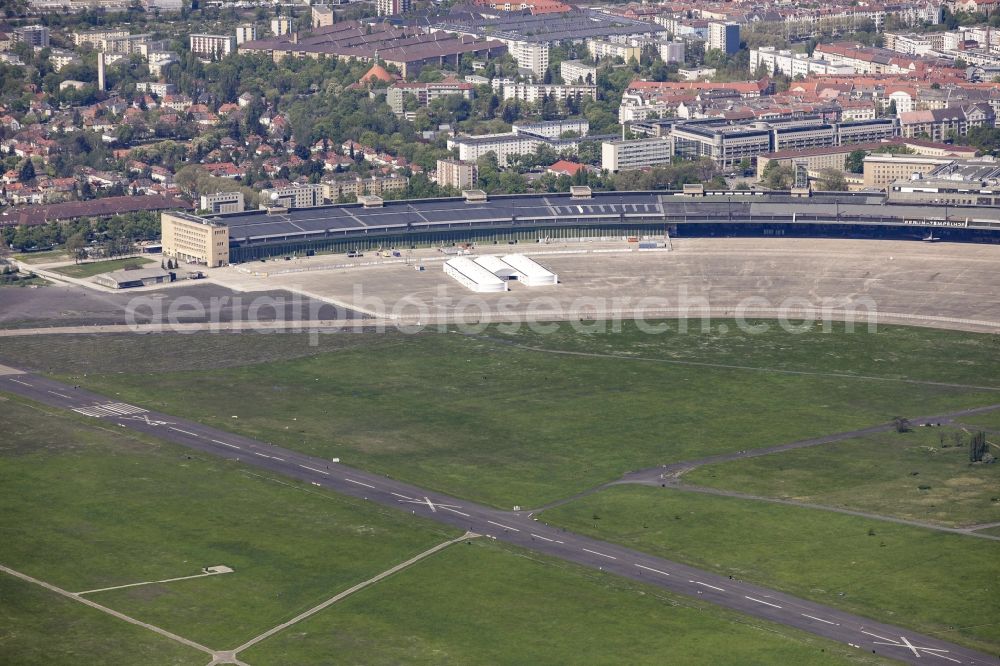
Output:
x=216 y=240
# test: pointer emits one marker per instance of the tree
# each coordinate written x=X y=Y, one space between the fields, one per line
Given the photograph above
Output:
x=832 y=180
x=901 y=424
x=979 y=448
x=778 y=176
x=76 y=245
x=27 y=172
x=856 y=161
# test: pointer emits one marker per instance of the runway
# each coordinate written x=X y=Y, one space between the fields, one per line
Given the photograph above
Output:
x=520 y=528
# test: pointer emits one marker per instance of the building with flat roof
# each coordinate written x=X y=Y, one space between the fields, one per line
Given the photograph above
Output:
x=245 y=33
x=575 y=71
x=222 y=202
x=213 y=46
x=195 y=239
x=884 y=169
x=292 y=196
x=322 y=15
x=635 y=154
x=134 y=277
x=457 y=174
x=724 y=37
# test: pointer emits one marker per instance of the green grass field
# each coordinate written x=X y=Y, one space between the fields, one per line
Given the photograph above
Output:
x=995 y=531
x=989 y=421
x=97 y=267
x=43 y=257
x=920 y=475
x=491 y=604
x=86 y=507
x=39 y=627
x=944 y=584
x=482 y=420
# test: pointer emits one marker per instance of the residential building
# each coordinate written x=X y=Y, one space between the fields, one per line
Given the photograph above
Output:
x=347 y=187
x=32 y=35
x=457 y=174
x=786 y=62
x=553 y=129
x=392 y=7
x=635 y=154
x=213 y=46
x=281 y=25
x=537 y=92
x=603 y=48
x=322 y=15
x=504 y=146
x=292 y=196
x=95 y=37
x=530 y=55
x=245 y=33
x=425 y=93
x=574 y=71
x=724 y=37
x=124 y=46
x=194 y=239
x=222 y=202
x=944 y=124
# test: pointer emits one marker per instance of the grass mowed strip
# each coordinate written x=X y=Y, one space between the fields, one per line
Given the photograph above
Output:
x=901 y=352
x=924 y=474
x=944 y=584
x=88 y=507
x=488 y=603
x=40 y=627
x=989 y=422
x=97 y=267
x=513 y=427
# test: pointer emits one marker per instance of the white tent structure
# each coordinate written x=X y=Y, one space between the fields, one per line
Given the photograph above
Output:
x=473 y=276
x=498 y=267
x=530 y=272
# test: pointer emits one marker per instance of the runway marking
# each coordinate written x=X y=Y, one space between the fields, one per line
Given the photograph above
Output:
x=123 y=408
x=312 y=469
x=61 y=395
x=819 y=619
x=766 y=603
x=262 y=455
x=610 y=557
x=903 y=642
x=698 y=582
x=506 y=527
x=664 y=573
x=232 y=446
x=539 y=536
x=24 y=383
x=277 y=458
x=448 y=508
x=183 y=431
x=398 y=495
x=360 y=483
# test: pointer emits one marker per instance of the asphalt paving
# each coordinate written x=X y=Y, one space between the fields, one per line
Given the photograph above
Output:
x=520 y=528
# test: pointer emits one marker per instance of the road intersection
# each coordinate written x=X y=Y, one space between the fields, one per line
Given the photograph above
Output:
x=520 y=528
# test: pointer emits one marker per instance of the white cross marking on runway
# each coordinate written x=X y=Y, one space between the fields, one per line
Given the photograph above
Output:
x=903 y=642
x=434 y=506
x=152 y=422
